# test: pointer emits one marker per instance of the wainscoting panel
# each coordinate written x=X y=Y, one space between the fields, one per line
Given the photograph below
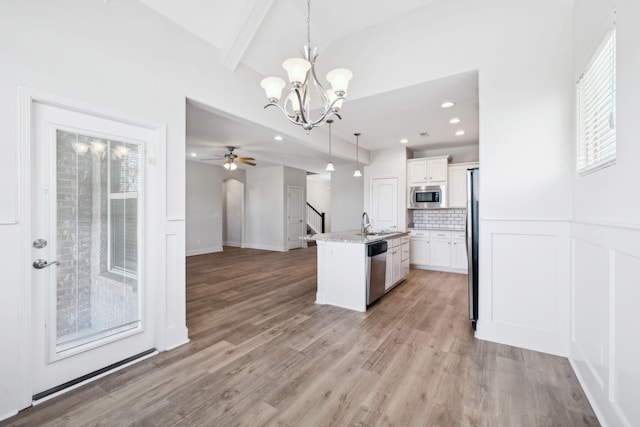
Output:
x=625 y=381
x=531 y=300
x=605 y=342
x=175 y=329
x=590 y=326
x=524 y=284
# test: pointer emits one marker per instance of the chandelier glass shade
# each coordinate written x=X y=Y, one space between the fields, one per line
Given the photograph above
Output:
x=303 y=81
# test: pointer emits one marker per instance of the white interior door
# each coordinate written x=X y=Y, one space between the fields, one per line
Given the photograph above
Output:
x=384 y=203
x=90 y=305
x=295 y=216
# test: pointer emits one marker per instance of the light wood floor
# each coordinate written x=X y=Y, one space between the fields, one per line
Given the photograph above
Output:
x=262 y=353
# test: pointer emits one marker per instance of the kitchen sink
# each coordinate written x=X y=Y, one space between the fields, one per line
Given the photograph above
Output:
x=375 y=233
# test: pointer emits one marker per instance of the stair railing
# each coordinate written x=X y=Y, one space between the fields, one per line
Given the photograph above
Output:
x=315 y=219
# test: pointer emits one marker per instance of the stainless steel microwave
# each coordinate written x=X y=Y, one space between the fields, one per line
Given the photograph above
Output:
x=427 y=197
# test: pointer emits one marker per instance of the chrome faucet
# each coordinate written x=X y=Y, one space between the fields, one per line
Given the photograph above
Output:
x=364 y=227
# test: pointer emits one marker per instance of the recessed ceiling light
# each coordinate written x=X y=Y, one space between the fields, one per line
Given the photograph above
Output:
x=404 y=141
x=193 y=154
x=277 y=138
x=454 y=121
x=459 y=132
x=447 y=104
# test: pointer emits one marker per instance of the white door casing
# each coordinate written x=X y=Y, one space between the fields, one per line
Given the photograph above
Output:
x=50 y=365
x=295 y=216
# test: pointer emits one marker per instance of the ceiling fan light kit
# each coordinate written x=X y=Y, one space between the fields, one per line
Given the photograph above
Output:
x=302 y=77
x=231 y=160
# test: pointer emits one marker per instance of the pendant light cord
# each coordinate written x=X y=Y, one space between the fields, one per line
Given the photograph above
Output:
x=330 y=121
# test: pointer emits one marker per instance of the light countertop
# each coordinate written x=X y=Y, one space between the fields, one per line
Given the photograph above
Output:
x=354 y=236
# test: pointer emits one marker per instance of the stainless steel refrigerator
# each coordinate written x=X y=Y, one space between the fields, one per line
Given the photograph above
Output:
x=473 y=221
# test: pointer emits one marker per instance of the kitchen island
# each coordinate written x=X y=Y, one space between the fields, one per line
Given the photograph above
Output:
x=343 y=267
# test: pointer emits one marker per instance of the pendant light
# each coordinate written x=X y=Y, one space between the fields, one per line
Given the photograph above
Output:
x=357 y=172
x=330 y=167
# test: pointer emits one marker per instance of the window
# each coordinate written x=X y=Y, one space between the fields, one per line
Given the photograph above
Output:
x=596 y=110
x=124 y=183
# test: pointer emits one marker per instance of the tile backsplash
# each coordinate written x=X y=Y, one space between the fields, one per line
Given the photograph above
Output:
x=438 y=218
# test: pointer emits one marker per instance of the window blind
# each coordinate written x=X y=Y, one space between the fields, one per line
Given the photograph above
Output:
x=596 y=110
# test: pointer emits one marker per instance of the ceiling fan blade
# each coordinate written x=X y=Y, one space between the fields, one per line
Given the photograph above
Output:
x=246 y=162
x=246 y=158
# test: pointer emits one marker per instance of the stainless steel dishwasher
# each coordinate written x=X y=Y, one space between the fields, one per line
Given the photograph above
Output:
x=376 y=270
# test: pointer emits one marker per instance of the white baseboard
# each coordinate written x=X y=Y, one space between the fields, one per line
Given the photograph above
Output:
x=203 y=251
x=266 y=247
x=8 y=415
x=443 y=269
x=234 y=244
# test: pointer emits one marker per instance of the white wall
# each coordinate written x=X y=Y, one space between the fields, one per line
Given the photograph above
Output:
x=390 y=163
x=464 y=154
x=232 y=211
x=319 y=196
x=347 y=199
x=265 y=206
x=522 y=51
x=78 y=56
x=293 y=178
x=605 y=232
x=203 y=208
x=265 y=209
x=137 y=70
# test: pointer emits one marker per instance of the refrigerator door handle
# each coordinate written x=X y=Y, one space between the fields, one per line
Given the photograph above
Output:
x=469 y=236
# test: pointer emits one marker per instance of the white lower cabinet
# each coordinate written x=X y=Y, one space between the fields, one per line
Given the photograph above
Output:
x=397 y=260
x=439 y=250
x=398 y=253
x=459 y=252
x=419 y=247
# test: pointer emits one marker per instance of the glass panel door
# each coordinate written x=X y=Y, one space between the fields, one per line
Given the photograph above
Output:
x=97 y=221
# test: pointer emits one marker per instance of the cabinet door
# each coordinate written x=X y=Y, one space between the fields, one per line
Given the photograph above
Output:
x=419 y=251
x=440 y=252
x=437 y=171
x=457 y=187
x=459 y=254
x=404 y=267
x=405 y=251
x=417 y=171
x=397 y=264
x=388 y=278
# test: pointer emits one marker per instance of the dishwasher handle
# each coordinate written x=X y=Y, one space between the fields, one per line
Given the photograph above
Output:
x=376 y=248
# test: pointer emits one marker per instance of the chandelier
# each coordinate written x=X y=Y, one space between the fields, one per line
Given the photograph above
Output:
x=302 y=76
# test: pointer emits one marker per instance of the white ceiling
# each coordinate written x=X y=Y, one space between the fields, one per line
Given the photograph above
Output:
x=260 y=34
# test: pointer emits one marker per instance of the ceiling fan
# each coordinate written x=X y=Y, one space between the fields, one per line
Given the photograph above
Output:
x=230 y=159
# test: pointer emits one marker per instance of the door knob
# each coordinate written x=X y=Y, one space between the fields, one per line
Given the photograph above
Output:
x=39 y=264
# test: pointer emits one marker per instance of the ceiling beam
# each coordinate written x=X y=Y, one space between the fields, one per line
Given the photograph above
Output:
x=244 y=31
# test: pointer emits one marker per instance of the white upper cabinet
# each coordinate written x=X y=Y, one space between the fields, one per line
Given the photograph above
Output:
x=437 y=170
x=457 y=184
x=417 y=170
x=427 y=171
